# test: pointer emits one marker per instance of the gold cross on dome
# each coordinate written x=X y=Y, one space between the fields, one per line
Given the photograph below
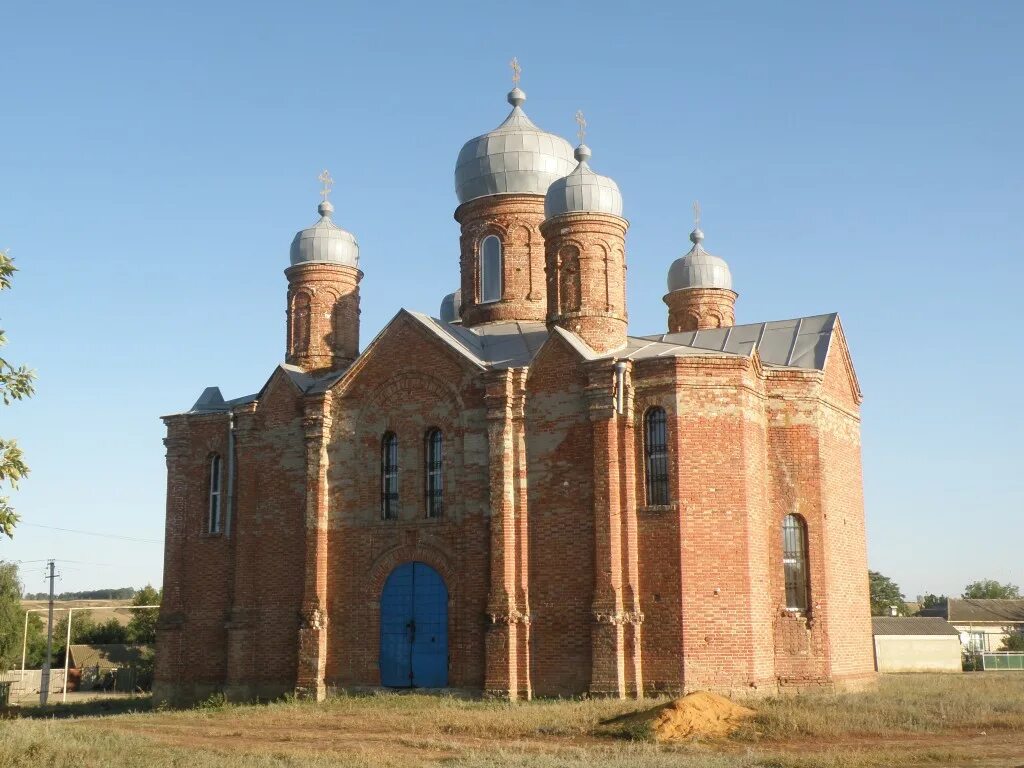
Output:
x=581 y=121
x=327 y=181
x=696 y=214
x=516 y=69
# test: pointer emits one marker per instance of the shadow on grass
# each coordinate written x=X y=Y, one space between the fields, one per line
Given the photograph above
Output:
x=93 y=708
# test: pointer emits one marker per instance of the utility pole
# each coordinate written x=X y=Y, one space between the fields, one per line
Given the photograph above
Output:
x=44 y=685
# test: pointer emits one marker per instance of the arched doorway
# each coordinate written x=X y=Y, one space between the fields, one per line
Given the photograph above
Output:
x=414 y=628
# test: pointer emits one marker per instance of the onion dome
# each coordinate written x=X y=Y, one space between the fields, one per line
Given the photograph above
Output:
x=450 y=307
x=325 y=242
x=516 y=158
x=583 y=191
x=698 y=268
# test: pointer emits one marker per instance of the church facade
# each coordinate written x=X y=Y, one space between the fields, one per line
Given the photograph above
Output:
x=520 y=497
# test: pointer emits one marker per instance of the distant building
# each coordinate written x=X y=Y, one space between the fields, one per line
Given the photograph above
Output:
x=520 y=496
x=912 y=644
x=983 y=624
x=109 y=665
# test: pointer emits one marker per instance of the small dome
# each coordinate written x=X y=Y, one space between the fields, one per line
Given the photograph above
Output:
x=517 y=157
x=583 y=191
x=698 y=268
x=450 y=307
x=325 y=241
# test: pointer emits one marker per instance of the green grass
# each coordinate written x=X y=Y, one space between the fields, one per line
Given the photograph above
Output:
x=919 y=720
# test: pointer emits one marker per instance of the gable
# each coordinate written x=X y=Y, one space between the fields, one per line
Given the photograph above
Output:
x=406 y=344
x=840 y=382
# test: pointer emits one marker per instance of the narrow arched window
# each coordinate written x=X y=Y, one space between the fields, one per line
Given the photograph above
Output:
x=656 y=456
x=300 y=323
x=490 y=269
x=794 y=563
x=435 y=478
x=389 y=476
x=213 y=518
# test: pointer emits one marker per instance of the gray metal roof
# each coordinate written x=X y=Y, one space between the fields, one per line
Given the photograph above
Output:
x=494 y=345
x=451 y=306
x=583 y=191
x=911 y=625
x=517 y=157
x=698 y=268
x=325 y=241
x=981 y=611
x=799 y=343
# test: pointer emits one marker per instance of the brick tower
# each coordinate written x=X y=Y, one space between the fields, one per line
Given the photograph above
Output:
x=323 y=295
x=500 y=181
x=700 y=291
x=585 y=256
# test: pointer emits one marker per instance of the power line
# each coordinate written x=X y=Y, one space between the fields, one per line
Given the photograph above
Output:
x=93 y=533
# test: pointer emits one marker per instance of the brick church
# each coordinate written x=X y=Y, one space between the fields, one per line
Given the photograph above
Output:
x=519 y=497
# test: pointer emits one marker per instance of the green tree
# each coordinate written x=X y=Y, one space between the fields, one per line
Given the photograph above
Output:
x=142 y=627
x=988 y=589
x=1013 y=642
x=933 y=601
x=15 y=384
x=885 y=593
x=12 y=620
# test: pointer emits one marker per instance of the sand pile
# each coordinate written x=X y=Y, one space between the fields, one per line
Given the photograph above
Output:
x=696 y=715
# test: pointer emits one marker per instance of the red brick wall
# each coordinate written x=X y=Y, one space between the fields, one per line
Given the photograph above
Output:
x=560 y=455
x=747 y=447
x=410 y=383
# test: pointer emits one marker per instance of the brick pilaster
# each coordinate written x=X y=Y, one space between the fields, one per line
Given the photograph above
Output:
x=506 y=620
x=633 y=617
x=608 y=675
x=313 y=620
x=170 y=663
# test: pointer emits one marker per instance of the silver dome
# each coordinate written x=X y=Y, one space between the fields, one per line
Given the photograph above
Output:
x=517 y=157
x=699 y=269
x=583 y=191
x=325 y=241
x=450 y=307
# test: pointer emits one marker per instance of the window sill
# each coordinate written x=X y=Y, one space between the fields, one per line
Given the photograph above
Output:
x=656 y=508
x=211 y=535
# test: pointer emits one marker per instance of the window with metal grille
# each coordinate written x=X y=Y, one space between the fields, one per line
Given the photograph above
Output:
x=656 y=456
x=490 y=269
x=213 y=520
x=794 y=562
x=435 y=477
x=389 y=476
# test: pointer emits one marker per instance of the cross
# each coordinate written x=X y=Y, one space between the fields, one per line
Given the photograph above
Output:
x=327 y=181
x=581 y=121
x=696 y=214
x=516 y=69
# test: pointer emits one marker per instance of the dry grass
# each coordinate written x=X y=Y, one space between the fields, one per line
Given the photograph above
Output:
x=913 y=720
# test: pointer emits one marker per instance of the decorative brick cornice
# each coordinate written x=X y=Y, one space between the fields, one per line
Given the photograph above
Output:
x=507 y=618
x=618 y=618
x=313 y=617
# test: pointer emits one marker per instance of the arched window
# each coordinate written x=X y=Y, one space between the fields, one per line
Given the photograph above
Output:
x=213 y=520
x=435 y=478
x=300 y=324
x=656 y=456
x=490 y=269
x=389 y=476
x=794 y=563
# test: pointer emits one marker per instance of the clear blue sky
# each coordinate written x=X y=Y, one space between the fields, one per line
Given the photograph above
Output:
x=156 y=160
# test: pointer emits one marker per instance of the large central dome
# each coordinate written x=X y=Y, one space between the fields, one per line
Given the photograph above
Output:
x=516 y=158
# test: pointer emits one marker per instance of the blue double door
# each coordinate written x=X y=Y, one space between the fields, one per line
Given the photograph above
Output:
x=414 y=628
